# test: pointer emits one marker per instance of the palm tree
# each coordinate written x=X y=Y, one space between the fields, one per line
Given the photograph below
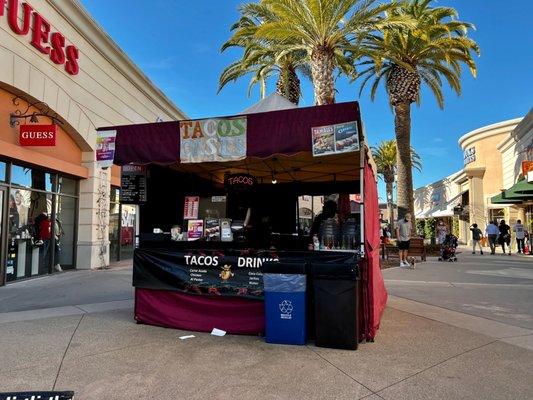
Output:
x=385 y=157
x=434 y=49
x=328 y=32
x=263 y=59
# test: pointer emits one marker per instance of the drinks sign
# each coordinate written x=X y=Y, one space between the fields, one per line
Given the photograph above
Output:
x=38 y=135
x=215 y=139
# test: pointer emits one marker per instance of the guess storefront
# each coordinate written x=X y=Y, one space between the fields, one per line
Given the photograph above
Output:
x=61 y=76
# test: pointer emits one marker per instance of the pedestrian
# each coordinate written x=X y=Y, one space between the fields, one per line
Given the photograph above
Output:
x=520 y=232
x=505 y=236
x=492 y=232
x=442 y=231
x=403 y=234
x=476 y=238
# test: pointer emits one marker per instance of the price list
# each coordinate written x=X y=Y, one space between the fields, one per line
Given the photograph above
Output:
x=133 y=184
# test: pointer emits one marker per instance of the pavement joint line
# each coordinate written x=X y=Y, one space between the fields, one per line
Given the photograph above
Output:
x=437 y=364
x=65 y=353
x=458 y=284
x=342 y=371
x=137 y=345
x=57 y=312
x=458 y=312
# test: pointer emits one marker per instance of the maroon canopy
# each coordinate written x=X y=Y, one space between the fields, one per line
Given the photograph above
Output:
x=277 y=132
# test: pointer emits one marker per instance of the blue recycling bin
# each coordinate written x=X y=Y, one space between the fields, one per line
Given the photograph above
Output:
x=285 y=308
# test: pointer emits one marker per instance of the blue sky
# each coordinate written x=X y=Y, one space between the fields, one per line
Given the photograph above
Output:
x=176 y=43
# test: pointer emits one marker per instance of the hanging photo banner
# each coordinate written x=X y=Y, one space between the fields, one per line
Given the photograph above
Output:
x=215 y=139
x=335 y=139
x=191 y=207
x=105 y=148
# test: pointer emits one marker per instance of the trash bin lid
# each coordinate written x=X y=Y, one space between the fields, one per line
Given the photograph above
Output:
x=334 y=270
x=284 y=267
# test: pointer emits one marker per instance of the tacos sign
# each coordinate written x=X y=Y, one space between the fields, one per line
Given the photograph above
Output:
x=215 y=139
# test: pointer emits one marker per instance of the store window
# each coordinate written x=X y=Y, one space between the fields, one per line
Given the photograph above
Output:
x=3 y=171
x=127 y=231
x=40 y=232
x=65 y=232
x=67 y=186
x=32 y=178
x=29 y=250
x=114 y=225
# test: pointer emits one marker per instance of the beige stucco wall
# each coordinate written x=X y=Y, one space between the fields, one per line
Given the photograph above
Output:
x=109 y=90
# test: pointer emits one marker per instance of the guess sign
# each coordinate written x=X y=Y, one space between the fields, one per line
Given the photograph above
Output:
x=22 y=19
x=38 y=135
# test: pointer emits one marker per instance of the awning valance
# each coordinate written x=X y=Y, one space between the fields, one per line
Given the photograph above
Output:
x=275 y=133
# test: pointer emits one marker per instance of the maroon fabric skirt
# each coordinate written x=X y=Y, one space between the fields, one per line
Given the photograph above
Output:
x=179 y=310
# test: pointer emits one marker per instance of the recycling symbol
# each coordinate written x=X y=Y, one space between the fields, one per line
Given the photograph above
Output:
x=286 y=307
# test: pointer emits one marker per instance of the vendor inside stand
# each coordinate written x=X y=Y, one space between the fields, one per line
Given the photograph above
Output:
x=242 y=211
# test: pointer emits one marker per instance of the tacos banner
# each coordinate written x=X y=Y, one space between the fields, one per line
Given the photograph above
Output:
x=219 y=273
x=215 y=139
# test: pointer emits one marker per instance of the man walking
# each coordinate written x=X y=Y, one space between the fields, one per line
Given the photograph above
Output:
x=476 y=239
x=492 y=234
x=403 y=234
x=520 y=232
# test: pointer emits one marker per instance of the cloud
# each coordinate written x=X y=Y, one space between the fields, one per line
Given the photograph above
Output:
x=438 y=140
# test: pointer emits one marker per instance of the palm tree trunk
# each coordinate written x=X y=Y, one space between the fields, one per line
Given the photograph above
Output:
x=288 y=84
x=322 y=66
x=402 y=122
x=390 y=207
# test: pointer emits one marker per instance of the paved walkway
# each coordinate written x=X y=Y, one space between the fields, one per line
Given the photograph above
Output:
x=421 y=352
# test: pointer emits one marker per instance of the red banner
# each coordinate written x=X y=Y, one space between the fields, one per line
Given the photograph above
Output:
x=38 y=135
x=527 y=166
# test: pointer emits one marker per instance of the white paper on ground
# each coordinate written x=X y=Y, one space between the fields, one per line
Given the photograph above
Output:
x=218 y=332
x=186 y=337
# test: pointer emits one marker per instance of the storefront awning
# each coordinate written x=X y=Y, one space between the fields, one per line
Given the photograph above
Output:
x=516 y=194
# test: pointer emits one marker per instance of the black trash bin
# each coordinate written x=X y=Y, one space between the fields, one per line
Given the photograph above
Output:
x=335 y=288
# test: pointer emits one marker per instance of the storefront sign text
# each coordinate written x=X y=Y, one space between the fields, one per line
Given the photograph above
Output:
x=41 y=36
x=216 y=139
x=38 y=135
x=469 y=155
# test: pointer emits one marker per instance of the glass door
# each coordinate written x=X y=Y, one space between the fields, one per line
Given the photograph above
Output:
x=2 y=197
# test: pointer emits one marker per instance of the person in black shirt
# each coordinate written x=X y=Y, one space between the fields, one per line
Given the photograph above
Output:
x=329 y=210
x=505 y=236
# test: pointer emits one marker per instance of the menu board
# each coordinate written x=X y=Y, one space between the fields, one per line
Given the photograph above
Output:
x=191 y=207
x=133 y=184
x=335 y=139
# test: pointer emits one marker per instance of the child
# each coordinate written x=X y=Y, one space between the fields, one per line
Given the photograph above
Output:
x=476 y=238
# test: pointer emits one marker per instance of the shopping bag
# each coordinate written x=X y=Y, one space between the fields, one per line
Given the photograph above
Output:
x=484 y=242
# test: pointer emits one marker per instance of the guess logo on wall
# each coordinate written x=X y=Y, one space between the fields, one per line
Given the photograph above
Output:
x=22 y=19
x=38 y=135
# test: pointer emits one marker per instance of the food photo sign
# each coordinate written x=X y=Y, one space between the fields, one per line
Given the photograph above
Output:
x=335 y=139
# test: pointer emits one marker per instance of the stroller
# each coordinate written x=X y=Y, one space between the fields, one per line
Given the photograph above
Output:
x=448 y=248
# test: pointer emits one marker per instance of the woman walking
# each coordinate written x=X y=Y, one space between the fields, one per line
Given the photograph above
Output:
x=505 y=236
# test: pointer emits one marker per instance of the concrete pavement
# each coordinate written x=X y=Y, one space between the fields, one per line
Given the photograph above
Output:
x=496 y=287
x=422 y=351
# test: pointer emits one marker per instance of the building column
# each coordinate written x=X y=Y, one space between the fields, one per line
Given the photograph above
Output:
x=93 y=218
x=476 y=199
